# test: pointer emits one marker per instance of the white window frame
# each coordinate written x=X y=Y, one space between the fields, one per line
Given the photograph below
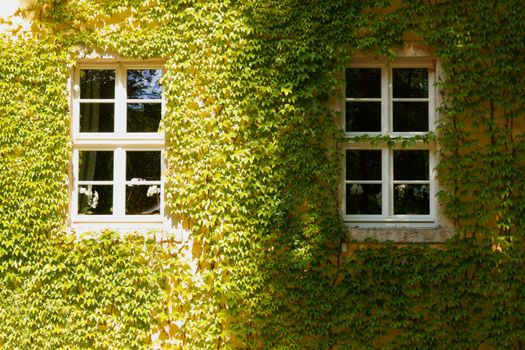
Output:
x=387 y=218
x=119 y=142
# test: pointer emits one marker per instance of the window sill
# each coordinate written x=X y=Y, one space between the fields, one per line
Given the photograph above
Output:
x=380 y=221
x=161 y=230
x=119 y=220
x=400 y=234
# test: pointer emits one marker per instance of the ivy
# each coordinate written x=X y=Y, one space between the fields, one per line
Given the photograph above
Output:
x=253 y=171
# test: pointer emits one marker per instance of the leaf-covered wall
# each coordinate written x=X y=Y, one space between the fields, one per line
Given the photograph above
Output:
x=253 y=169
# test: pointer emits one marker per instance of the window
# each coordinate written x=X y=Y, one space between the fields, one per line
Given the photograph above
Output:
x=117 y=148
x=389 y=185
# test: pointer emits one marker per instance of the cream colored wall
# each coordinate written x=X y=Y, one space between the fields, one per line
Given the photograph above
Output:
x=8 y=10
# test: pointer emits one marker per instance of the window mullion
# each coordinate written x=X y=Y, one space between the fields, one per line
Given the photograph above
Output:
x=387 y=153
x=385 y=98
x=120 y=101
x=390 y=156
x=119 y=189
x=385 y=182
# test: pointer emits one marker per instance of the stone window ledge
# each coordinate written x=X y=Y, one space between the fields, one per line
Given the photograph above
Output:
x=401 y=235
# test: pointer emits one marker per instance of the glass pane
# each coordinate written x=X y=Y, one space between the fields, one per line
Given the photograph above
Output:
x=363 y=116
x=410 y=82
x=143 y=117
x=143 y=199
x=97 y=117
x=363 y=82
x=363 y=199
x=363 y=165
x=141 y=165
x=95 y=165
x=95 y=199
x=410 y=165
x=411 y=199
x=97 y=83
x=410 y=116
x=144 y=83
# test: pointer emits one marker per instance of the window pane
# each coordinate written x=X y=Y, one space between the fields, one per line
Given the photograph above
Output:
x=144 y=83
x=411 y=199
x=363 y=165
x=363 y=199
x=363 y=82
x=95 y=199
x=143 y=117
x=97 y=83
x=95 y=165
x=363 y=116
x=410 y=165
x=142 y=199
x=410 y=116
x=141 y=165
x=97 y=117
x=410 y=82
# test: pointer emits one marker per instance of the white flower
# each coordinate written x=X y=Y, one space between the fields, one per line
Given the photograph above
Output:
x=135 y=181
x=401 y=190
x=356 y=189
x=153 y=190
x=92 y=196
x=94 y=200
x=422 y=192
x=85 y=191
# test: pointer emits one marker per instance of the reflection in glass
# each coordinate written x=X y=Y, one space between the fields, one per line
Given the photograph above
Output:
x=144 y=83
x=95 y=199
x=142 y=199
x=97 y=83
x=363 y=116
x=97 y=117
x=143 y=117
x=143 y=165
x=411 y=199
x=363 y=199
x=410 y=165
x=95 y=165
x=410 y=82
x=363 y=164
x=363 y=82
x=410 y=116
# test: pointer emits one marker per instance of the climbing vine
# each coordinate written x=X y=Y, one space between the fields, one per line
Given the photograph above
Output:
x=253 y=171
